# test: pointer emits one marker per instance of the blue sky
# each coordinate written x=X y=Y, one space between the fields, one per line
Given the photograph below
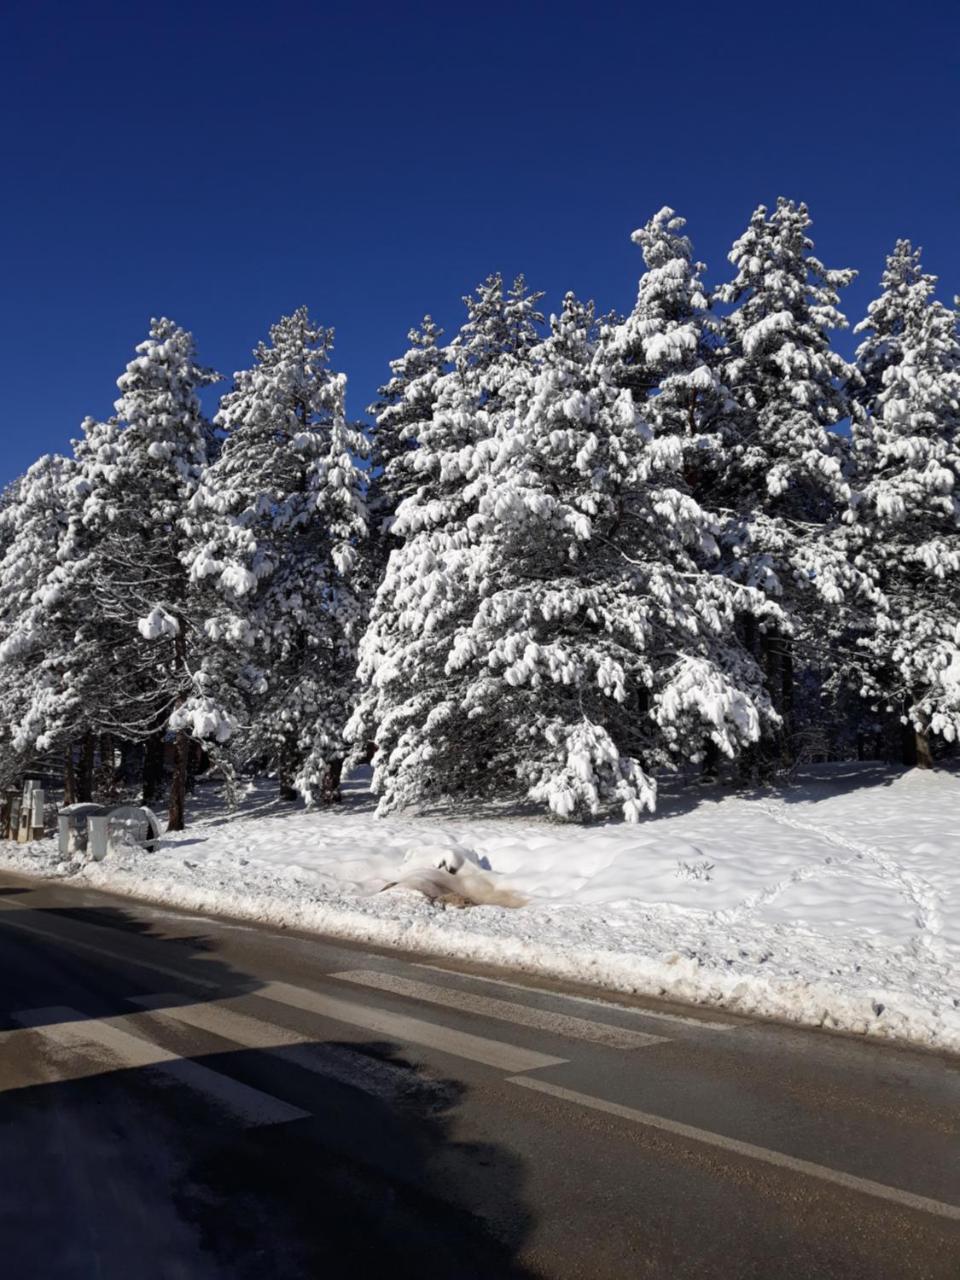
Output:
x=222 y=164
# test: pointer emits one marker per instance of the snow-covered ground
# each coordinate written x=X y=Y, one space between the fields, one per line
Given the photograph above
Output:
x=833 y=902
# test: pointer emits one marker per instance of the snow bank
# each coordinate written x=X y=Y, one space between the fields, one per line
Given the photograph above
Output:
x=833 y=903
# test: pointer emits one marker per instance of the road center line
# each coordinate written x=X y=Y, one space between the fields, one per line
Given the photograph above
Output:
x=849 y=1181
x=558 y=1024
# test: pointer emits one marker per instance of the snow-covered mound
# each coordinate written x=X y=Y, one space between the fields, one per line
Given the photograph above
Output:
x=834 y=902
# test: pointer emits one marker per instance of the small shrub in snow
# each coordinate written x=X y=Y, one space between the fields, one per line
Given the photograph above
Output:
x=702 y=869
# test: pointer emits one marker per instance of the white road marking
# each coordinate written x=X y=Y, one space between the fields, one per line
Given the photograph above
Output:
x=558 y=1024
x=7 y=906
x=359 y=1070
x=640 y=1012
x=124 y=957
x=98 y=1045
x=846 y=1180
x=492 y=1053
x=219 y=1020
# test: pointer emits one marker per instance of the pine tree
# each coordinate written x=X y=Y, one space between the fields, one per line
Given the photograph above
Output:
x=407 y=705
x=137 y=475
x=276 y=526
x=38 y=713
x=602 y=641
x=547 y=629
x=784 y=483
x=667 y=351
x=906 y=527
x=405 y=404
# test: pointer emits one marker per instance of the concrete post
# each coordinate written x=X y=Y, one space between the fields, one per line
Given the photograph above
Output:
x=97 y=832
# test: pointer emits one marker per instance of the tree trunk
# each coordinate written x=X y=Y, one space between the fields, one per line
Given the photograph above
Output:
x=330 y=787
x=85 y=769
x=69 y=777
x=107 y=771
x=915 y=750
x=924 y=755
x=176 y=819
x=711 y=761
x=198 y=762
x=131 y=762
x=748 y=761
x=153 y=767
x=786 y=699
x=286 y=772
x=771 y=747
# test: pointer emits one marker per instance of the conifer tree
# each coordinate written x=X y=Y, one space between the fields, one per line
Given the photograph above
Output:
x=427 y=592
x=277 y=523
x=137 y=476
x=405 y=403
x=784 y=482
x=667 y=351
x=906 y=525
x=601 y=642
x=38 y=713
x=547 y=629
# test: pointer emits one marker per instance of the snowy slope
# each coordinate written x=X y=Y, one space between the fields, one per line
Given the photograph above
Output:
x=834 y=902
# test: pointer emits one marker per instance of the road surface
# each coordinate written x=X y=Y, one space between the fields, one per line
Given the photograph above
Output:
x=189 y=1098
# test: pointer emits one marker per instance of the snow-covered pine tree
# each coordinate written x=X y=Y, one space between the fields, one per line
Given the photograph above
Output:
x=667 y=351
x=610 y=643
x=409 y=705
x=37 y=712
x=554 y=600
x=906 y=525
x=10 y=496
x=784 y=483
x=277 y=523
x=136 y=476
x=405 y=403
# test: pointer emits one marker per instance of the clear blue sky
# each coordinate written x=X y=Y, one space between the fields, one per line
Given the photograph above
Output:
x=223 y=163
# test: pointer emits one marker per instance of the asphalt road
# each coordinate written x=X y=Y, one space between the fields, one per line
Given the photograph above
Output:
x=190 y=1098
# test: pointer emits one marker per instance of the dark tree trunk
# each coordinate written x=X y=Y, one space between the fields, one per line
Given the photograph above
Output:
x=153 y=767
x=922 y=750
x=197 y=763
x=771 y=746
x=85 y=768
x=176 y=819
x=330 y=787
x=786 y=698
x=131 y=762
x=750 y=634
x=107 y=769
x=915 y=750
x=287 y=772
x=748 y=763
x=711 y=761
x=69 y=777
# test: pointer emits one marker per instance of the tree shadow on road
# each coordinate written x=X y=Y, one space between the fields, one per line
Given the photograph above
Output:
x=134 y=1173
